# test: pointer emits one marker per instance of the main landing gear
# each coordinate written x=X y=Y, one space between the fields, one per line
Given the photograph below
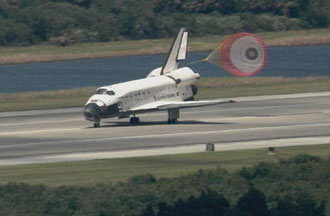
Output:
x=96 y=124
x=134 y=120
x=173 y=115
x=172 y=121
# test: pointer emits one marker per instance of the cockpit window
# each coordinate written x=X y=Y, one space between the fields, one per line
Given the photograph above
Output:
x=101 y=91
x=111 y=92
x=105 y=91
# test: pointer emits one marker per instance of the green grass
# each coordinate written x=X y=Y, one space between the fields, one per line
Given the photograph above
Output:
x=103 y=171
x=208 y=88
x=38 y=53
x=253 y=86
x=45 y=99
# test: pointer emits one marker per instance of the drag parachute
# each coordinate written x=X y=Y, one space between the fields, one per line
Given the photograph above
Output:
x=241 y=54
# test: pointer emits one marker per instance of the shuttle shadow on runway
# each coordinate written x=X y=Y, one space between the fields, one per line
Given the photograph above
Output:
x=148 y=123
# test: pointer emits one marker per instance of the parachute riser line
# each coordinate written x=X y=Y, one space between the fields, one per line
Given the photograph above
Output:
x=195 y=62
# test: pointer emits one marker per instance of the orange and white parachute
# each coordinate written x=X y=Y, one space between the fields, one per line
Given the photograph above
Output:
x=241 y=54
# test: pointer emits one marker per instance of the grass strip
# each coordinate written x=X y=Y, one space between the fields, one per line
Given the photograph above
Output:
x=45 y=99
x=41 y=53
x=208 y=88
x=211 y=88
x=113 y=170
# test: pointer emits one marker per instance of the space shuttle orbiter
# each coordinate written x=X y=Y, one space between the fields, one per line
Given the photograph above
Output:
x=168 y=88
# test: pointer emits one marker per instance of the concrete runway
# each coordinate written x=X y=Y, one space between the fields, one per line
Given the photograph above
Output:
x=253 y=122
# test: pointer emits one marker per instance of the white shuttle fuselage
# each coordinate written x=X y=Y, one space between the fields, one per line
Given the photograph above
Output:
x=131 y=95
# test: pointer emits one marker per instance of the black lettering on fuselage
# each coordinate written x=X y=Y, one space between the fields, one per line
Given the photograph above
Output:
x=157 y=98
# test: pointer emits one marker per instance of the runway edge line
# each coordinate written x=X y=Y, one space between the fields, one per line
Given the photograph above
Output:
x=196 y=148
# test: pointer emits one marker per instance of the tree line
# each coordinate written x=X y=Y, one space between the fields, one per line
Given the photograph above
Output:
x=25 y=22
x=250 y=204
x=296 y=186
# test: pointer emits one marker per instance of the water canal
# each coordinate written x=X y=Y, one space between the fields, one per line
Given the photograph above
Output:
x=295 y=61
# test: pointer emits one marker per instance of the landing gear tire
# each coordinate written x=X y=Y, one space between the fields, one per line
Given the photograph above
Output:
x=172 y=121
x=96 y=124
x=134 y=120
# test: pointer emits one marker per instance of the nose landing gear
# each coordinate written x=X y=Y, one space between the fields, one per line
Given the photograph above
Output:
x=97 y=124
x=134 y=120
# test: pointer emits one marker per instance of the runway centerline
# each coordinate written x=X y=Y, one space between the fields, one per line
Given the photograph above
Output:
x=162 y=113
x=170 y=134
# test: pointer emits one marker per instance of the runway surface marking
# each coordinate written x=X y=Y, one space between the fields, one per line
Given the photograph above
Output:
x=41 y=122
x=203 y=120
x=163 y=114
x=201 y=147
x=38 y=131
x=167 y=134
x=239 y=99
x=196 y=148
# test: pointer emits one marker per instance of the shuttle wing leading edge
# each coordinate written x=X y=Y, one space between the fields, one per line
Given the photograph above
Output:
x=177 y=53
x=166 y=105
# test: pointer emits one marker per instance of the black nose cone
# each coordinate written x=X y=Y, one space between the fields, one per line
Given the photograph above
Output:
x=92 y=112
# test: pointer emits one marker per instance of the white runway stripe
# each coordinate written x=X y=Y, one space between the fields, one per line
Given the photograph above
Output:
x=41 y=122
x=168 y=150
x=167 y=135
x=239 y=99
x=183 y=112
x=38 y=131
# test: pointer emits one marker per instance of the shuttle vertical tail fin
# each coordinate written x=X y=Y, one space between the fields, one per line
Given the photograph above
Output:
x=177 y=53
